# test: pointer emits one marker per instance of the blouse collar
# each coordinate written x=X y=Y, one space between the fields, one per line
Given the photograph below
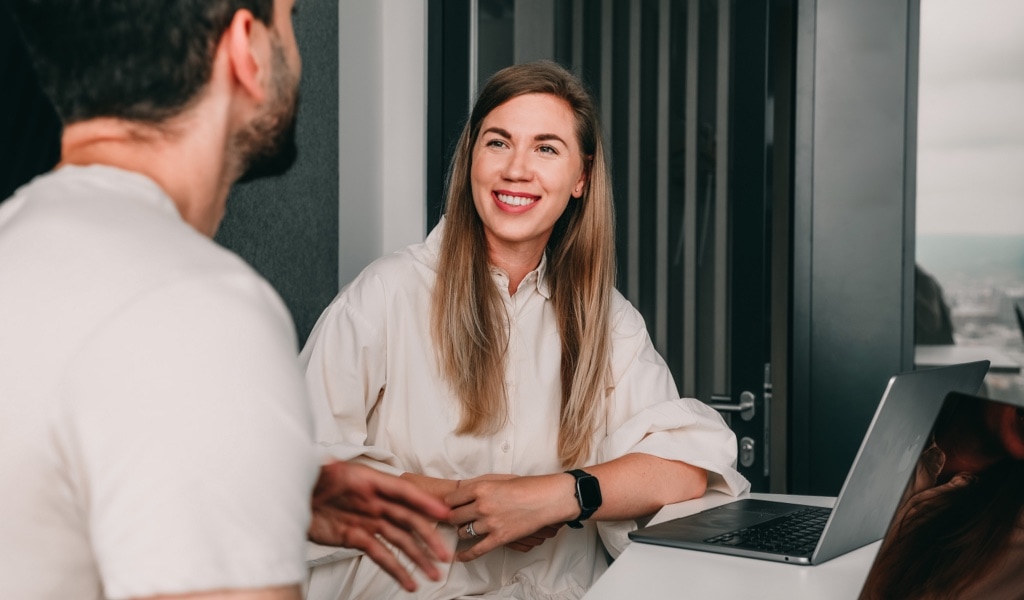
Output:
x=537 y=277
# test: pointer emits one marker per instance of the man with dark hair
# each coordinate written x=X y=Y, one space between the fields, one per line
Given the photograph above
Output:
x=155 y=437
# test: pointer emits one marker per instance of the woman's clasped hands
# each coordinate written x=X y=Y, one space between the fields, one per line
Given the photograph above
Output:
x=508 y=510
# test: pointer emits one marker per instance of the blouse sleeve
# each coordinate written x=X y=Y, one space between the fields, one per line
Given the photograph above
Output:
x=344 y=363
x=646 y=415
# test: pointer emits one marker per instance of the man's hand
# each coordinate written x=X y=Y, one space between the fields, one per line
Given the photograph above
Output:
x=353 y=504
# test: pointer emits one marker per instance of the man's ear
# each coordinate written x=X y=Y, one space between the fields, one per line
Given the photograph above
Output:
x=242 y=41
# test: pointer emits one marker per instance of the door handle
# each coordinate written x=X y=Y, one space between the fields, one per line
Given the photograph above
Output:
x=724 y=404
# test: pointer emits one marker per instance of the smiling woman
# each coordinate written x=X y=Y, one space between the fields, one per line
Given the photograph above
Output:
x=546 y=404
x=526 y=168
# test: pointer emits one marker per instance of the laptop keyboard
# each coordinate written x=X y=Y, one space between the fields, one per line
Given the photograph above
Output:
x=795 y=534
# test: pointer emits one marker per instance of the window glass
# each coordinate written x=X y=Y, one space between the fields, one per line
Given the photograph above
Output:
x=970 y=191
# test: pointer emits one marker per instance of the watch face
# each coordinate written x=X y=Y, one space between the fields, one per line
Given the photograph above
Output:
x=589 y=491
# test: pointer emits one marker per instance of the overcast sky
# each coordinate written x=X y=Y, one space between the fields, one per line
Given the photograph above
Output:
x=970 y=168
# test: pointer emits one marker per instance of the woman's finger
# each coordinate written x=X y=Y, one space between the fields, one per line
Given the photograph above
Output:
x=462 y=515
x=485 y=544
x=527 y=542
x=469 y=530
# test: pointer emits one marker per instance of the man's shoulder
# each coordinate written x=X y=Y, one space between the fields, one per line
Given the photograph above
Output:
x=100 y=227
x=99 y=209
x=81 y=255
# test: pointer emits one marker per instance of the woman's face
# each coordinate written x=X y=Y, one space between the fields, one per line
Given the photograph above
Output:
x=526 y=165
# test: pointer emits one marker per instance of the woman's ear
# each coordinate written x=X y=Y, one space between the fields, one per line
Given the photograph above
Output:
x=577 y=190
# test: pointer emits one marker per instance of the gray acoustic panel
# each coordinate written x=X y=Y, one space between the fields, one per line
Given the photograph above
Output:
x=287 y=227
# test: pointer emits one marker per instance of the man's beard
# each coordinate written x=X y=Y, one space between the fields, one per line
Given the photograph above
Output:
x=267 y=146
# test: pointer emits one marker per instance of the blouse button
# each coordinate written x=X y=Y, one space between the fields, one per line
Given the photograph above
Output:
x=506 y=447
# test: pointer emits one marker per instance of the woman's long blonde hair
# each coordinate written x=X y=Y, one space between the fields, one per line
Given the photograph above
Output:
x=467 y=314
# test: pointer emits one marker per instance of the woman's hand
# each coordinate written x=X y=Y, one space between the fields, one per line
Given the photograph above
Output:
x=520 y=512
x=535 y=539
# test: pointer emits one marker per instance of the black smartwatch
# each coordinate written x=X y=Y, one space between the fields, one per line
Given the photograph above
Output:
x=588 y=494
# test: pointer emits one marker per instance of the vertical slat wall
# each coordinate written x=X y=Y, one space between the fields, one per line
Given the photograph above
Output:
x=631 y=270
x=720 y=308
x=688 y=235
x=661 y=303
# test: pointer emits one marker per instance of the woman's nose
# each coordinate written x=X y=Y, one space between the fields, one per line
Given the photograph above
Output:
x=517 y=167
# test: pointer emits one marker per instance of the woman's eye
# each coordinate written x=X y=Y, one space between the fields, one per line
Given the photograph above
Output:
x=548 y=150
x=495 y=144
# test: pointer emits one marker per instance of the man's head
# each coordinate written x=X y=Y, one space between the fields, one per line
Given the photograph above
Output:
x=147 y=61
x=267 y=146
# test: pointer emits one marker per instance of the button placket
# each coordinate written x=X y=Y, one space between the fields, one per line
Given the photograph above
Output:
x=511 y=386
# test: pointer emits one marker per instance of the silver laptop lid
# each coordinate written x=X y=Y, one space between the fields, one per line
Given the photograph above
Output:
x=889 y=452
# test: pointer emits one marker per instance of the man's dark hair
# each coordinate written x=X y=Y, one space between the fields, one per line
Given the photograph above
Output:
x=141 y=60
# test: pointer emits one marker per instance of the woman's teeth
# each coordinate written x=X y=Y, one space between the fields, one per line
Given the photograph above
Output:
x=515 y=200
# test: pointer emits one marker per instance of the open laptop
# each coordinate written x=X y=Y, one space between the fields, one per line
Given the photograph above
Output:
x=966 y=491
x=869 y=496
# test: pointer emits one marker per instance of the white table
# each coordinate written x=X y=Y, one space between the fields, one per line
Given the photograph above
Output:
x=648 y=572
x=939 y=356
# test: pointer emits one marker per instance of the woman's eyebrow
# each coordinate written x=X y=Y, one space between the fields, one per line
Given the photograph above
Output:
x=546 y=137
x=499 y=131
x=540 y=137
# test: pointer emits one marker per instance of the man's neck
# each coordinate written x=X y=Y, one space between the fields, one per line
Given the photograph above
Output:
x=179 y=156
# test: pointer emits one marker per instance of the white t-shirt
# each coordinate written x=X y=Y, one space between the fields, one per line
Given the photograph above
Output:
x=378 y=398
x=155 y=435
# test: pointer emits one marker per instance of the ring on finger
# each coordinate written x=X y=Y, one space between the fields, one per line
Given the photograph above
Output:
x=470 y=531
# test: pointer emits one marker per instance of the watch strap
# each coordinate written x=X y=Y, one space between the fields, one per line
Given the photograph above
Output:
x=585 y=511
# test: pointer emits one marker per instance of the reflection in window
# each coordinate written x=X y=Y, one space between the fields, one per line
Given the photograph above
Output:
x=970 y=195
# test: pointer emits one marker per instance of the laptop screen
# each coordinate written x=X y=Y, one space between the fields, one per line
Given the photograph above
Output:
x=959 y=528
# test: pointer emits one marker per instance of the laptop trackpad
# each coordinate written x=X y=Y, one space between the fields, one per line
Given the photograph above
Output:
x=739 y=514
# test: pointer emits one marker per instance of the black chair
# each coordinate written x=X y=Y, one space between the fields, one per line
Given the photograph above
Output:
x=1018 y=307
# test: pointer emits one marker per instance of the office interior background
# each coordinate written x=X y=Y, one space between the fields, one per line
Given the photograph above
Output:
x=781 y=167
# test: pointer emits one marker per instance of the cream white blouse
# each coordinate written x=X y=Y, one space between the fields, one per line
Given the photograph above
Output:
x=378 y=399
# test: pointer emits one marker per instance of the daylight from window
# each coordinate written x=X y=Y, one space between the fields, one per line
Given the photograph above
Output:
x=970 y=172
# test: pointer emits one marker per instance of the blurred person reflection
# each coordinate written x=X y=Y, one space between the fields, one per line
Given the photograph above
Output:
x=932 y=322
x=959 y=531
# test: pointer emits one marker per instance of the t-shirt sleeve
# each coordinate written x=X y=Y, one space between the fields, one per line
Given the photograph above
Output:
x=192 y=441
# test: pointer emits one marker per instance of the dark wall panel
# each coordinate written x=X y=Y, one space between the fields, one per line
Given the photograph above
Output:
x=852 y=228
x=29 y=127
x=287 y=228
